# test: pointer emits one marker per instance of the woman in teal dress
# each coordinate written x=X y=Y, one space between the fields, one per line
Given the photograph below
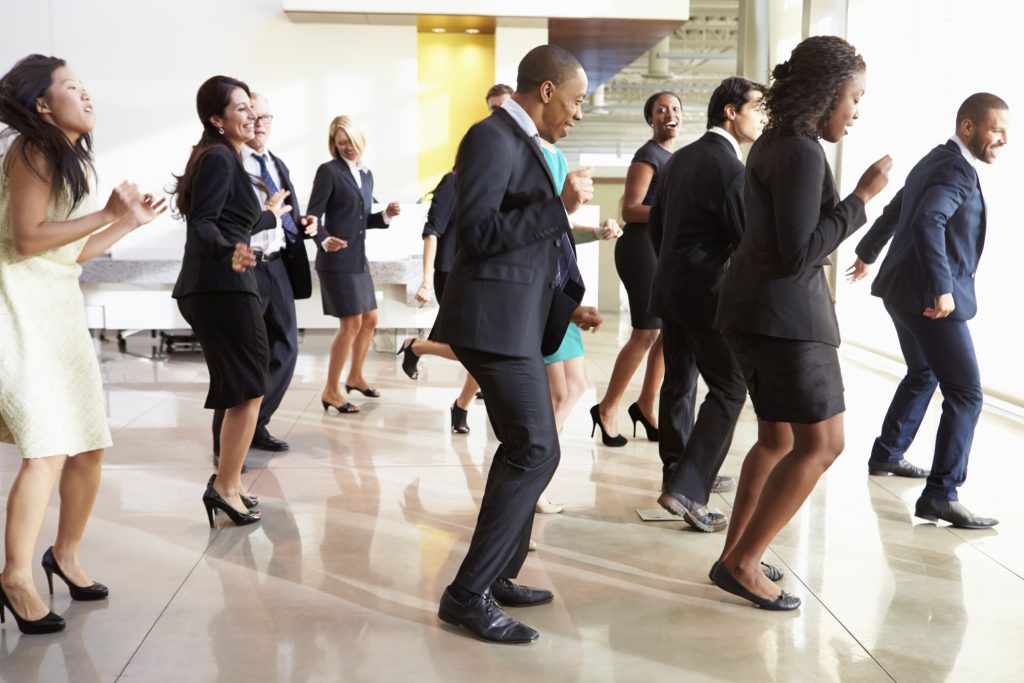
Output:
x=567 y=374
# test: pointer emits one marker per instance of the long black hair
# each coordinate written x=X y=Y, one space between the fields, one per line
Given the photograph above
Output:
x=212 y=99
x=70 y=165
x=806 y=88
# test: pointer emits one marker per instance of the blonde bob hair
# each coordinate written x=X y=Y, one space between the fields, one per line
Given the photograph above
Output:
x=355 y=135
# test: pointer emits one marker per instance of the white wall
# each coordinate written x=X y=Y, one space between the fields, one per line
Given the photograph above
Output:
x=144 y=61
x=512 y=40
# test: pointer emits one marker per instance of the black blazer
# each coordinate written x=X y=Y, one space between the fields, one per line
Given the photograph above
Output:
x=696 y=223
x=296 y=262
x=343 y=210
x=937 y=225
x=224 y=212
x=510 y=223
x=439 y=219
x=776 y=284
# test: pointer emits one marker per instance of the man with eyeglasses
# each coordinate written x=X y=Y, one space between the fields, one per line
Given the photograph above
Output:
x=282 y=275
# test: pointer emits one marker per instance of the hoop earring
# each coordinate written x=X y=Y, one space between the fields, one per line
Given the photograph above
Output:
x=221 y=131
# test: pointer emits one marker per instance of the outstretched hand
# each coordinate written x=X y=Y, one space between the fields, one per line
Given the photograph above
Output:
x=243 y=258
x=587 y=318
x=858 y=271
x=145 y=209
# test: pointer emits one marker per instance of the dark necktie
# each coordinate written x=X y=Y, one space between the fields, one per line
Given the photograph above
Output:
x=287 y=222
x=567 y=267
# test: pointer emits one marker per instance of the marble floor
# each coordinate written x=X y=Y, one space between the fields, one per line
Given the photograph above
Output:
x=367 y=517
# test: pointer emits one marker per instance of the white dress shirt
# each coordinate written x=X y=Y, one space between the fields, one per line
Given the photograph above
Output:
x=354 y=168
x=968 y=154
x=273 y=240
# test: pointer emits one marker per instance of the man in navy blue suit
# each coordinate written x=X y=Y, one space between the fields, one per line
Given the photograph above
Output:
x=926 y=281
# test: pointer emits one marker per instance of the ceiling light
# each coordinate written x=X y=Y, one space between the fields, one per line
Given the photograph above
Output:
x=474 y=31
x=437 y=29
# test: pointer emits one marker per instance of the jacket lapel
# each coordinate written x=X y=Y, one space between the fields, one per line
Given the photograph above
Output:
x=534 y=147
x=346 y=175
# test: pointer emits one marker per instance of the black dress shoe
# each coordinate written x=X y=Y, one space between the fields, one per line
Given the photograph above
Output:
x=266 y=442
x=508 y=594
x=249 y=501
x=723 y=484
x=51 y=623
x=952 y=511
x=216 y=463
x=724 y=580
x=481 y=616
x=900 y=468
x=697 y=516
x=97 y=591
x=772 y=572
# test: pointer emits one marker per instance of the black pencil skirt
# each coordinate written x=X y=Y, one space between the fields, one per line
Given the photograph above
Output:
x=636 y=262
x=229 y=326
x=790 y=380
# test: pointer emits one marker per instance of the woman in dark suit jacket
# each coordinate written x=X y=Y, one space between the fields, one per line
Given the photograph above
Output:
x=341 y=199
x=216 y=290
x=775 y=308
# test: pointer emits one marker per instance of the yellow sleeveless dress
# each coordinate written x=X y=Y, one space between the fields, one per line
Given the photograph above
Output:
x=51 y=393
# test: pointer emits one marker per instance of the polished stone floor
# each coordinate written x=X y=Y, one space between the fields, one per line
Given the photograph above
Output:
x=367 y=517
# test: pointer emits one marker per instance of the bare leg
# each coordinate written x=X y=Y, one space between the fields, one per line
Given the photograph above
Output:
x=235 y=436
x=653 y=375
x=348 y=328
x=469 y=389
x=360 y=347
x=630 y=356
x=559 y=389
x=79 y=484
x=426 y=347
x=26 y=507
x=815 y=448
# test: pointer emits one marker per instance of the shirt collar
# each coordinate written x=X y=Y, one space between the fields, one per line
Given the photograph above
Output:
x=253 y=153
x=520 y=116
x=728 y=136
x=354 y=166
x=968 y=154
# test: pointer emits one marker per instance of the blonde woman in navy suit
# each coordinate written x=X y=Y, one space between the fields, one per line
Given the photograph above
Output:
x=341 y=199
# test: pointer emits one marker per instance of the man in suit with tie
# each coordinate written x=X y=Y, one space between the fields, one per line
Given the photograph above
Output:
x=696 y=222
x=926 y=282
x=514 y=283
x=282 y=275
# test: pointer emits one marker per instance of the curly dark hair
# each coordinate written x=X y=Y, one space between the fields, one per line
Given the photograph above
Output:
x=805 y=89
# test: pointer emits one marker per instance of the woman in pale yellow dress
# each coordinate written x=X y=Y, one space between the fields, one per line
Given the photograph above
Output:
x=51 y=400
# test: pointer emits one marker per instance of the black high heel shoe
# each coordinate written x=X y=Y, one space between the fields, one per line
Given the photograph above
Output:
x=637 y=415
x=212 y=500
x=611 y=441
x=51 y=623
x=345 y=407
x=247 y=500
x=459 y=416
x=97 y=591
x=368 y=392
x=409 y=359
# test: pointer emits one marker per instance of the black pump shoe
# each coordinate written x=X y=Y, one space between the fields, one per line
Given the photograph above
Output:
x=725 y=580
x=51 y=623
x=249 y=501
x=610 y=441
x=213 y=500
x=459 y=416
x=637 y=415
x=97 y=591
x=409 y=358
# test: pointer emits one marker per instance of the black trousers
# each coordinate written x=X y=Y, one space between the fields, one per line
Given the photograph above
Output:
x=697 y=463
x=278 y=303
x=519 y=409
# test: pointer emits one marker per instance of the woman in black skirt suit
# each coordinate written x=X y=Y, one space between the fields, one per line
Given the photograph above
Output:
x=775 y=308
x=216 y=290
x=343 y=190
x=635 y=262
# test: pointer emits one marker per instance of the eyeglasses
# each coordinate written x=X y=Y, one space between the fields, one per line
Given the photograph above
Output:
x=266 y=118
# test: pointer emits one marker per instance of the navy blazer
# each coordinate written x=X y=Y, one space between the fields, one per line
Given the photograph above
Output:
x=224 y=212
x=439 y=219
x=696 y=222
x=296 y=261
x=775 y=284
x=937 y=225
x=510 y=223
x=342 y=209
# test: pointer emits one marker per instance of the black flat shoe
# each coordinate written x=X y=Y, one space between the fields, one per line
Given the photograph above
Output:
x=409 y=359
x=459 y=416
x=637 y=415
x=481 y=616
x=723 y=579
x=97 y=591
x=952 y=511
x=51 y=623
x=269 y=443
x=508 y=594
x=900 y=468
x=249 y=501
x=772 y=572
x=610 y=441
x=697 y=516
x=368 y=392
x=213 y=501
x=345 y=407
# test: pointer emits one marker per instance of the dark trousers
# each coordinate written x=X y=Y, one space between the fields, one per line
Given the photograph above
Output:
x=707 y=440
x=278 y=304
x=938 y=353
x=519 y=409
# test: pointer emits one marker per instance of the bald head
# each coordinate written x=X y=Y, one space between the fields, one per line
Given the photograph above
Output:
x=546 y=63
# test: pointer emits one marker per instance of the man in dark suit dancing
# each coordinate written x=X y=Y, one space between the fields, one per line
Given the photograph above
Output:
x=696 y=222
x=926 y=281
x=505 y=293
x=282 y=275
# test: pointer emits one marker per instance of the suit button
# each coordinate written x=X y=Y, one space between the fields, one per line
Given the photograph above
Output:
x=972 y=275
x=551 y=285
x=558 y=241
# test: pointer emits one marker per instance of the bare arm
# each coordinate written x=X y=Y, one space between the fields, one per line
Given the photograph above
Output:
x=638 y=180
